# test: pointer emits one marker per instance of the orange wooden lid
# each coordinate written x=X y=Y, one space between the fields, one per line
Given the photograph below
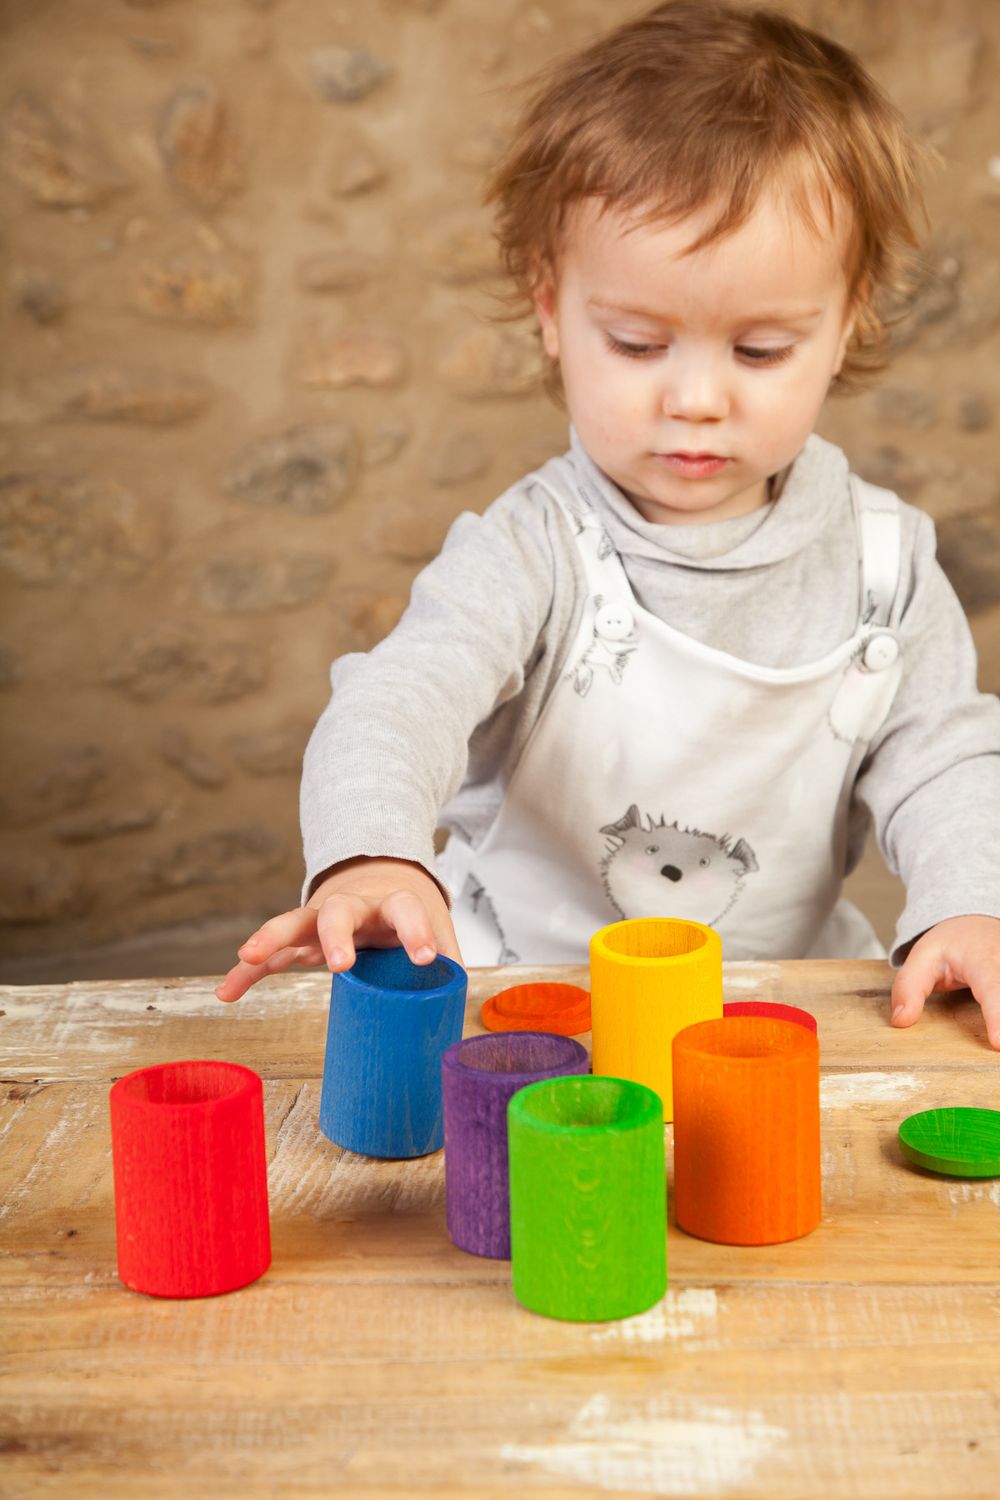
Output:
x=563 y=1009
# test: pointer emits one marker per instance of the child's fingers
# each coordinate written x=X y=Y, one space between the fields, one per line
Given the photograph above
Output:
x=916 y=980
x=338 y=919
x=408 y=917
x=988 y=995
x=242 y=975
x=288 y=930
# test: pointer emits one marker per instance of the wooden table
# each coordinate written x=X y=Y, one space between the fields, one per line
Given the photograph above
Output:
x=374 y=1359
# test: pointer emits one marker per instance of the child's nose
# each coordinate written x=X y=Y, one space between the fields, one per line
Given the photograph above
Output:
x=696 y=391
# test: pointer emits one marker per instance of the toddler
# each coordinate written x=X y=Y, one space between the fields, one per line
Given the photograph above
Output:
x=678 y=670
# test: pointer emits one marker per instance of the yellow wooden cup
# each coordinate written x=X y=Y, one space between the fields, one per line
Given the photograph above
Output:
x=649 y=978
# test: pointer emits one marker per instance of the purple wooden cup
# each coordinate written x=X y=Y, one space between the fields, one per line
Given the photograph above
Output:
x=479 y=1076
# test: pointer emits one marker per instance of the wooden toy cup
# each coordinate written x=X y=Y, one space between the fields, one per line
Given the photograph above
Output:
x=746 y=1131
x=390 y=1023
x=649 y=978
x=587 y=1198
x=479 y=1076
x=190 y=1170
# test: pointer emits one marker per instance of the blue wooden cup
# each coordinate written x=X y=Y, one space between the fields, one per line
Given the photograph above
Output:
x=391 y=1021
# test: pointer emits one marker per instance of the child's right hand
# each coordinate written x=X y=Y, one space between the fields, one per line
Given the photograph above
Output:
x=367 y=903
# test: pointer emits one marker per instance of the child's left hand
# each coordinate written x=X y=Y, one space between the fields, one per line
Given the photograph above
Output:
x=961 y=952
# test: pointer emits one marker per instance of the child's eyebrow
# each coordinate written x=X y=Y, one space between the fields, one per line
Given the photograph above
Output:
x=781 y=315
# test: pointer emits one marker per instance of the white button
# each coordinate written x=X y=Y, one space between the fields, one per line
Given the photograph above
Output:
x=880 y=652
x=614 y=622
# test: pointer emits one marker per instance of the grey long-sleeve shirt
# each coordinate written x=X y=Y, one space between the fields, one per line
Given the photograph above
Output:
x=425 y=730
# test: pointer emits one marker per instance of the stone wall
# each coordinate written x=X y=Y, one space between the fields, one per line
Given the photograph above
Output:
x=250 y=378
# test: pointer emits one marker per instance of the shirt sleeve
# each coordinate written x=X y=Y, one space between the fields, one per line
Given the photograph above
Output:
x=931 y=779
x=391 y=747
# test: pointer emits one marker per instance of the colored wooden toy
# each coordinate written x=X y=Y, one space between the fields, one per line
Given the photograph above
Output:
x=390 y=1023
x=746 y=1131
x=479 y=1076
x=958 y=1141
x=649 y=978
x=587 y=1198
x=772 y=1009
x=190 y=1172
x=563 y=1009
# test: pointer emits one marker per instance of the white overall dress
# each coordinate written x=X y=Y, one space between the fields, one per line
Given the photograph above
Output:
x=666 y=778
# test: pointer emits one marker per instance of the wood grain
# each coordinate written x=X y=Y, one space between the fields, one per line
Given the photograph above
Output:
x=375 y=1359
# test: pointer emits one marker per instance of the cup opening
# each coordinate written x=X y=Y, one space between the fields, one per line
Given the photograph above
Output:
x=654 y=937
x=185 y=1083
x=747 y=1038
x=516 y=1052
x=393 y=969
x=587 y=1103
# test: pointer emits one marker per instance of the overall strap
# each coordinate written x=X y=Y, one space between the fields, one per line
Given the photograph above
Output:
x=879 y=532
x=602 y=565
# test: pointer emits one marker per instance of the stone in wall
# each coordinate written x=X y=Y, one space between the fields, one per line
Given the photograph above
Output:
x=247 y=584
x=336 y=271
x=230 y=854
x=178 y=751
x=72 y=778
x=274 y=752
x=168 y=658
x=197 y=145
x=408 y=530
x=458 y=457
x=361 y=355
x=53 y=153
x=344 y=75
x=969 y=552
x=954 y=301
x=309 y=469
x=489 y=361
x=354 y=167
x=11 y=668
x=972 y=411
x=70 y=528
x=212 y=290
x=369 y=615
x=107 y=392
x=385 y=442
x=91 y=827
x=459 y=247
x=37 y=889
x=38 y=294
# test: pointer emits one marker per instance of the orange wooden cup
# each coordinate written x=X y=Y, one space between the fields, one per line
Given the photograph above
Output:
x=746 y=1131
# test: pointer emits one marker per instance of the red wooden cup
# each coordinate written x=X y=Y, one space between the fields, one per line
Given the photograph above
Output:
x=187 y=1141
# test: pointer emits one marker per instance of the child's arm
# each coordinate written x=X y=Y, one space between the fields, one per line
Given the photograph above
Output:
x=958 y=953
x=363 y=902
x=392 y=747
x=932 y=784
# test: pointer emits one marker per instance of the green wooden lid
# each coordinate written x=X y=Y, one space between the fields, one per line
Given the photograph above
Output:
x=960 y=1142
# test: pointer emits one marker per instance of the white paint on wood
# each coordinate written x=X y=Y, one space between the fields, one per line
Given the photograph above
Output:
x=688 y=1312
x=662 y=1446
x=842 y=1090
x=749 y=975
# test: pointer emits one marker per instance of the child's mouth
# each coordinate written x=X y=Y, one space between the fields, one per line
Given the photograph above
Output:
x=693 y=465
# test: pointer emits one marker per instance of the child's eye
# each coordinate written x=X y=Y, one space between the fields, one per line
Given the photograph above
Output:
x=630 y=351
x=765 y=356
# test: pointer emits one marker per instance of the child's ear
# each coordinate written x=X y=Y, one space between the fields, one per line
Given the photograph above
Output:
x=543 y=299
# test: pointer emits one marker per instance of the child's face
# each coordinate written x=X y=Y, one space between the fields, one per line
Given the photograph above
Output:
x=728 y=351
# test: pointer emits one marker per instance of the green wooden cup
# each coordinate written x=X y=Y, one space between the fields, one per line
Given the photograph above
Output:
x=588 y=1198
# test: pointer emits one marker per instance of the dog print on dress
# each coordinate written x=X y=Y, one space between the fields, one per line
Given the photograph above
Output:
x=614 y=639
x=658 y=869
x=478 y=897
